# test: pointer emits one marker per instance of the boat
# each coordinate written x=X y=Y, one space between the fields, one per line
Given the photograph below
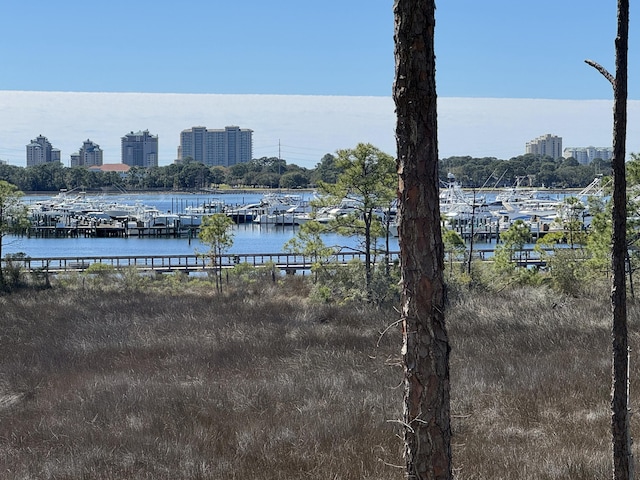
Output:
x=207 y=208
x=270 y=204
x=294 y=215
x=454 y=199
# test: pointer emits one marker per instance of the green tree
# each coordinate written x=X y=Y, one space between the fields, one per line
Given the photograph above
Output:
x=454 y=248
x=266 y=179
x=13 y=217
x=369 y=182
x=215 y=232
x=327 y=170
x=513 y=241
x=135 y=177
x=193 y=175
x=308 y=242
x=570 y=217
x=294 y=180
x=219 y=175
x=238 y=171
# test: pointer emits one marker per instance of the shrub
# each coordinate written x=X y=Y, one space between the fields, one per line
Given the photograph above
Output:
x=134 y=280
x=12 y=271
x=100 y=269
x=247 y=273
x=567 y=269
x=346 y=283
x=98 y=276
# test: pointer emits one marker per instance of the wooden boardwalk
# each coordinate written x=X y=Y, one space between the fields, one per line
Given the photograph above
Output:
x=287 y=262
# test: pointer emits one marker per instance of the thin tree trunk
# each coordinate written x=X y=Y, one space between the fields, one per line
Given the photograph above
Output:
x=620 y=421
x=620 y=417
x=367 y=251
x=427 y=429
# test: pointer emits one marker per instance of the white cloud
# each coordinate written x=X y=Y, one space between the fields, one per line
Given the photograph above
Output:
x=307 y=127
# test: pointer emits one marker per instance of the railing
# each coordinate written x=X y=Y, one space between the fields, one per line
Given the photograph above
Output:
x=186 y=263
x=191 y=263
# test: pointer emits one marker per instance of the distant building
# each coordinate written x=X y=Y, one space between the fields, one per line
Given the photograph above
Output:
x=140 y=149
x=119 y=168
x=216 y=147
x=40 y=151
x=585 y=155
x=547 y=145
x=90 y=155
x=3 y=162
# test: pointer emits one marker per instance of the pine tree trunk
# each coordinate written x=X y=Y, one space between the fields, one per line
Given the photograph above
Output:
x=620 y=418
x=427 y=432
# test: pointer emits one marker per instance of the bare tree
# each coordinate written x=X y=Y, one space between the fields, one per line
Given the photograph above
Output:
x=427 y=428
x=620 y=418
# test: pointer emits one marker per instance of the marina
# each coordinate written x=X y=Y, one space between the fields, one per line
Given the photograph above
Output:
x=168 y=223
x=71 y=214
x=65 y=237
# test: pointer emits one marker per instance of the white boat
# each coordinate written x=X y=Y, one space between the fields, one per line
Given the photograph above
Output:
x=207 y=208
x=270 y=204
x=246 y=213
x=454 y=199
x=290 y=216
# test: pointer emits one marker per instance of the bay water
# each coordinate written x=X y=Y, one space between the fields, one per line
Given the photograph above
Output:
x=247 y=238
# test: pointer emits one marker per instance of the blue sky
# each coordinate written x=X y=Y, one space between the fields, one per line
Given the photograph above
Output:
x=493 y=48
x=314 y=65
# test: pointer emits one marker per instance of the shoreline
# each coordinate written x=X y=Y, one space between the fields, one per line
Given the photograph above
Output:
x=211 y=191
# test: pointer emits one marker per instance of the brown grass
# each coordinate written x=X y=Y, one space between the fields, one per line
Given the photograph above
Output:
x=177 y=382
x=104 y=384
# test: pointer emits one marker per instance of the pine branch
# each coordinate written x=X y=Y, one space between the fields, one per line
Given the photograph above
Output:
x=602 y=70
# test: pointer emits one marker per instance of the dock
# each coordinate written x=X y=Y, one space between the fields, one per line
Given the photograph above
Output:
x=289 y=263
x=109 y=230
x=286 y=262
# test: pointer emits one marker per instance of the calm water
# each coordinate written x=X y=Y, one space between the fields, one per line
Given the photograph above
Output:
x=249 y=238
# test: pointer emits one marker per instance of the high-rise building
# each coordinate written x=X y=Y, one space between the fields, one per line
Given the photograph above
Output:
x=216 y=147
x=547 y=146
x=140 y=149
x=585 y=155
x=40 y=151
x=90 y=154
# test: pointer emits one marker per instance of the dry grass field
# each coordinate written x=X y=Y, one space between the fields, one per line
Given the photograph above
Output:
x=177 y=382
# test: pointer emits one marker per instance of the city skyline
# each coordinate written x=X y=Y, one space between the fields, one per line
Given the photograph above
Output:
x=321 y=75
x=299 y=129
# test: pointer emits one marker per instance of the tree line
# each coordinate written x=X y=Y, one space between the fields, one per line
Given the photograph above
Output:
x=533 y=170
x=273 y=172
x=269 y=172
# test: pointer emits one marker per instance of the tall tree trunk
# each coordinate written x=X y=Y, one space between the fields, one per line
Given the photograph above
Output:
x=427 y=429
x=620 y=418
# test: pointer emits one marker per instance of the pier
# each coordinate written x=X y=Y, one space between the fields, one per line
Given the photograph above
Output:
x=286 y=262
x=110 y=230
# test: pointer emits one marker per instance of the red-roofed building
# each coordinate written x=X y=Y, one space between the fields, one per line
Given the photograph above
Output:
x=120 y=168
